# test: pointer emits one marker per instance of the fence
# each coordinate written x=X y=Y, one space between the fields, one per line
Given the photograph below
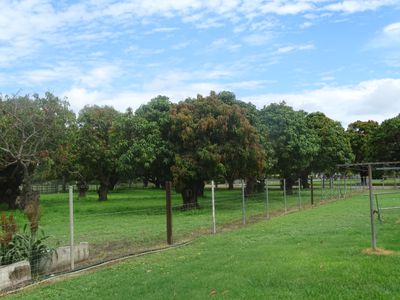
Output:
x=134 y=220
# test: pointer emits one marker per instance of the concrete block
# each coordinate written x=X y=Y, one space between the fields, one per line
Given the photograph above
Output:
x=14 y=274
x=61 y=258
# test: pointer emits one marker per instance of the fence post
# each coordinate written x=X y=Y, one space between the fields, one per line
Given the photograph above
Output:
x=299 y=193
x=371 y=208
x=213 y=205
x=266 y=198
x=243 y=203
x=312 y=190
x=71 y=227
x=168 y=211
x=284 y=194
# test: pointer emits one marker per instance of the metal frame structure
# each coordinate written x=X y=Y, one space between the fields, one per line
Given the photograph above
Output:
x=370 y=166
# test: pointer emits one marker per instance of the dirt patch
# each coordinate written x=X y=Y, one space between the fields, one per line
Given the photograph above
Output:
x=398 y=222
x=378 y=251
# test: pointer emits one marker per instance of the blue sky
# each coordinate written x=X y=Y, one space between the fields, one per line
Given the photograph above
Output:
x=339 y=57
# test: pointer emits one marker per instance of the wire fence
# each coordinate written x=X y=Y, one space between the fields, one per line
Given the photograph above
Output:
x=134 y=220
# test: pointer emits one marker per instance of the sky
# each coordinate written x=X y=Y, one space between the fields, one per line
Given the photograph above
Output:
x=341 y=57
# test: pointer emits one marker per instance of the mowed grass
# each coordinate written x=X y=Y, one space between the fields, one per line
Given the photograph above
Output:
x=134 y=219
x=312 y=254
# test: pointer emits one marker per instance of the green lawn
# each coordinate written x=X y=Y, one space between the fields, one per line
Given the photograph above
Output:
x=134 y=219
x=315 y=253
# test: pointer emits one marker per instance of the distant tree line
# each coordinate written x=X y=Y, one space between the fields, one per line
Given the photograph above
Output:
x=214 y=137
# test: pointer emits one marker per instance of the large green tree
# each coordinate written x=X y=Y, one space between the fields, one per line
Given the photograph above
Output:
x=138 y=143
x=360 y=133
x=97 y=154
x=384 y=143
x=211 y=137
x=31 y=129
x=253 y=115
x=295 y=145
x=157 y=112
x=334 y=145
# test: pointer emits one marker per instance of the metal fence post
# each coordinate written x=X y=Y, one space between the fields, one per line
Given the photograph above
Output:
x=299 y=196
x=168 y=211
x=71 y=227
x=213 y=205
x=243 y=203
x=266 y=198
x=312 y=190
x=284 y=194
x=371 y=208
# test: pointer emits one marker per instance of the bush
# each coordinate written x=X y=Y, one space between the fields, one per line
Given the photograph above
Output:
x=26 y=246
x=8 y=229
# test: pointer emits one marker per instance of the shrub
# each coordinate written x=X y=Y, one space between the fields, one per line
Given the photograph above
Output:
x=8 y=229
x=26 y=246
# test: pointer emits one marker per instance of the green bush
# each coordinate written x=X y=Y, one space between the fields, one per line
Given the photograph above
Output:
x=26 y=246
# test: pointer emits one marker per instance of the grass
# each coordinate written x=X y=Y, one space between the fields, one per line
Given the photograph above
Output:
x=315 y=253
x=134 y=219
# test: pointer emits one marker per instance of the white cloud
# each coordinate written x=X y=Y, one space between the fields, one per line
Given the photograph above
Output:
x=163 y=30
x=28 y=25
x=258 y=39
x=292 y=48
x=373 y=99
x=354 y=6
x=100 y=76
x=225 y=44
x=388 y=37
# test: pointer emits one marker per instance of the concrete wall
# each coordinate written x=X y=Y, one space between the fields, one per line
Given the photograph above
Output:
x=61 y=259
x=14 y=274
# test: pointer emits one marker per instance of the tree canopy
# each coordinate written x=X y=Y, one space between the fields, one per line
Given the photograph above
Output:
x=211 y=138
x=294 y=144
x=32 y=128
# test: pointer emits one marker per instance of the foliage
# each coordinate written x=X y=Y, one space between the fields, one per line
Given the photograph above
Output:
x=31 y=128
x=295 y=145
x=8 y=229
x=384 y=143
x=97 y=150
x=360 y=133
x=26 y=246
x=334 y=144
x=253 y=116
x=157 y=112
x=212 y=138
x=137 y=142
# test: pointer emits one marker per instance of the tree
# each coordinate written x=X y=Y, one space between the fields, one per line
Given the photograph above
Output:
x=97 y=150
x=294 y=144
x=253 y=116
x=384 y=143
x=31 y=128
x=209 y=138
x=157 y=112
x=138 y=143
x=360 y=133
x=334 y=145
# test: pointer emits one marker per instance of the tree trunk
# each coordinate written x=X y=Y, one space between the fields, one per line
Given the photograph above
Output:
x=157 y=183
x=189 y=196
x=145 y=183
x=304 y=181
x=64 y=184
x=289 y=185
x=250 y=186
x=200 y=189
x=83 y=187
x=230 y=183
x=112 y=182
x=103 y=191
